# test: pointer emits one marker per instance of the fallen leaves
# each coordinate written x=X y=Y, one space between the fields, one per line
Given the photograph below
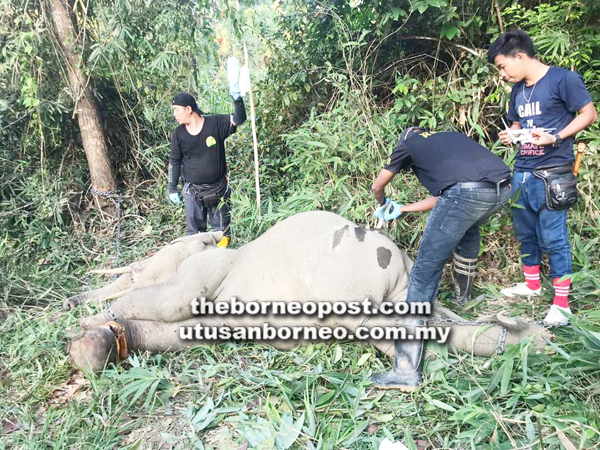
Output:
x=565 y=441
x=9 y=426
x=71 y=390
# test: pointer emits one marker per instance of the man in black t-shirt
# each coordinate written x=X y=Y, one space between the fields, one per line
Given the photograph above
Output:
x=198 y=153
x=468 y=184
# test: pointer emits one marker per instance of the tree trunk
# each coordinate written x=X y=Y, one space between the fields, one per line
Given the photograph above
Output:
x=88 y=117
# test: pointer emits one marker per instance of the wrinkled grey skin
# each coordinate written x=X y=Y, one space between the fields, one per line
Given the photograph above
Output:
x=152 y=271
x=313 y=256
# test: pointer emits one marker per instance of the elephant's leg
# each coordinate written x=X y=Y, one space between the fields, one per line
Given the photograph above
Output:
x=479 y=340
x=95 y=348
x=485 y=340
x=167 y=302
x=199 y=276
x=120 y=284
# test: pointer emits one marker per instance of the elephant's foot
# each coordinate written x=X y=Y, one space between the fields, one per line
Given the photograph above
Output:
x=94 y=349
x=94 y=321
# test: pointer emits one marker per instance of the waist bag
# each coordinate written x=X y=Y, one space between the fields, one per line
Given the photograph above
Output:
x=561 y=186
x=209 y=195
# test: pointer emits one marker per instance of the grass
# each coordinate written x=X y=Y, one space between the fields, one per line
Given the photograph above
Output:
x=317 y=397
x=226 y=396
x=309 y=397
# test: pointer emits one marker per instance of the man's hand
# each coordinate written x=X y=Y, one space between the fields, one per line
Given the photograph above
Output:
x=380 y=210
x=505 y=137
x=392 y=211
x=175 y=198
x=542 y=137
x=388 y=211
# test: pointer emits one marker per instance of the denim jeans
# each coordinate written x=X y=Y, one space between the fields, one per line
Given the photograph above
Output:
x=539 y=229
x=452 y=225
x=196 y=214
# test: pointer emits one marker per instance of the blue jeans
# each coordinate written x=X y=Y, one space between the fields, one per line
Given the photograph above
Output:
x=539 y=229
x=452 y=225
x=196 y=214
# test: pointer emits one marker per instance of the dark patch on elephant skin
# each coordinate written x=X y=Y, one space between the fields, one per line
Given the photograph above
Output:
x=383 y=257
x=337 y=236
x=360 y=233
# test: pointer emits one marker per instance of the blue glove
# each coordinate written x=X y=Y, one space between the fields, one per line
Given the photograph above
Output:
x=392 y=211
x=379 y=211
x=175 y=198
x=234 y=91
x=233 y=77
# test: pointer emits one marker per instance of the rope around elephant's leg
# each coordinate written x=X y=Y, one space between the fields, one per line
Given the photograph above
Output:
x=120 y=338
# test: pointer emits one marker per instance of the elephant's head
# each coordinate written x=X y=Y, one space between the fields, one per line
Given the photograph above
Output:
x=92 y=350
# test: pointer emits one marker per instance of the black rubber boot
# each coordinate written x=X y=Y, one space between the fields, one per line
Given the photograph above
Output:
x=464 y=273
x=406 y=374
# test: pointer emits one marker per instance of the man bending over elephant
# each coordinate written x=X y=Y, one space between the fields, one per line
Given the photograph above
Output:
x=468 y=184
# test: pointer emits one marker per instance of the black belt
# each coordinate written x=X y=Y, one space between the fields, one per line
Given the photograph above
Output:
x=478 y=185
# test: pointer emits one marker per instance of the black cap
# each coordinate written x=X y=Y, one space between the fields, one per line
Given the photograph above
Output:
x=409 y=132
x=184 y=99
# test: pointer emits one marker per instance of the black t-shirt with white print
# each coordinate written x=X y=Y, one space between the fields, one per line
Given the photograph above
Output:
x=201 y=156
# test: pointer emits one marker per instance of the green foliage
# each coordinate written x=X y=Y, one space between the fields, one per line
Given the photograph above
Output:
x=334 y=84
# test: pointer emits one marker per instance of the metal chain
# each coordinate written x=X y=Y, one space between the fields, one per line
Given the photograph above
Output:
x=487 y=322
x=503 y=334
x=502 y=341
x=109 y=313
x=112 y=196
x=448 y=321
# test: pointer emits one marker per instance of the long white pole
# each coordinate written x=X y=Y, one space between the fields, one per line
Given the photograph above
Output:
x=253 y=120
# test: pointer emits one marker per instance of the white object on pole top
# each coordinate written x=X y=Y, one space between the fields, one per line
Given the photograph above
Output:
x=233 y=69
x=244 y=80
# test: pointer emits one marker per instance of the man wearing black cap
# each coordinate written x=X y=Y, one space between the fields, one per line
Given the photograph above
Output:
x=468 y=183
x=198 y=150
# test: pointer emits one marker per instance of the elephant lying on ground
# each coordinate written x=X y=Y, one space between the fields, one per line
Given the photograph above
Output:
x=157 y=269
x=312 y=257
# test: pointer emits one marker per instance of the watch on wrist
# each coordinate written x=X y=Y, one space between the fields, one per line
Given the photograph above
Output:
x=559 y=140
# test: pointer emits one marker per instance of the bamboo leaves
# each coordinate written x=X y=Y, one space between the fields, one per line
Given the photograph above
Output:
x=139 y=381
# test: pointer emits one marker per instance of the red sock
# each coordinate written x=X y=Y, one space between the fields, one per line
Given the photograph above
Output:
x=532 y=277
x=561 y=292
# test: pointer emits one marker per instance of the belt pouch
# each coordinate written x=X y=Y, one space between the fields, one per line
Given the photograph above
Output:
x=561 y=186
